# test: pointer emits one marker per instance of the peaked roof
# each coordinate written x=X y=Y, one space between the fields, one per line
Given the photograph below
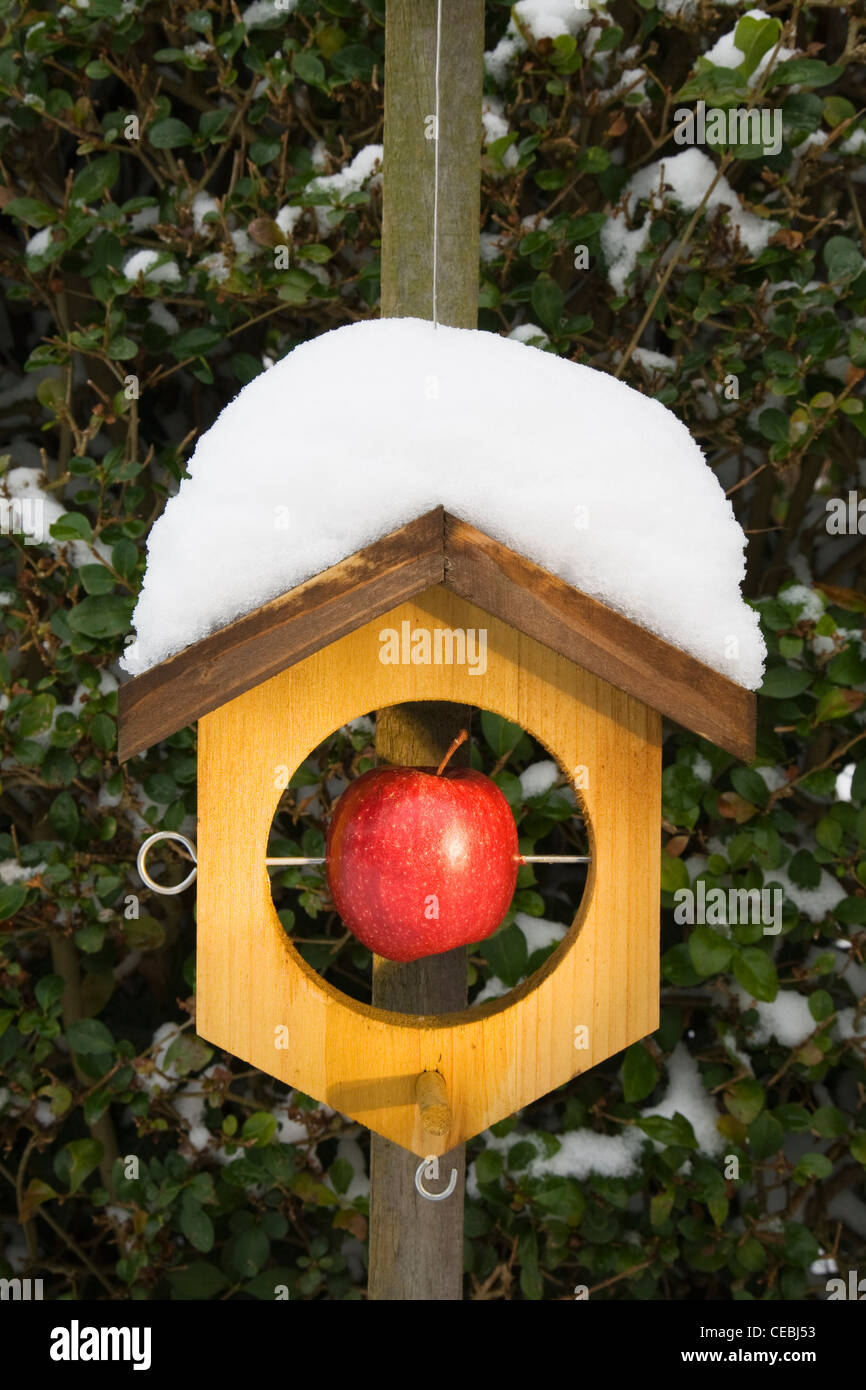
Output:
x=437 y=548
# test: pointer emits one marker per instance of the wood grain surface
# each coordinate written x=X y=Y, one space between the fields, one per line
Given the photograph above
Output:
x=496 y=1057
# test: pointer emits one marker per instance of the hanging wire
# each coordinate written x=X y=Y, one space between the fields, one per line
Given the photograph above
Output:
x=436 y=169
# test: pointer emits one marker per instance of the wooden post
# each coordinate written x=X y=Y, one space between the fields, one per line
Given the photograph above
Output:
x=416 y=1246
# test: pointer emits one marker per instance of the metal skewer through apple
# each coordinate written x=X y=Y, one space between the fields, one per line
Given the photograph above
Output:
x=299 y=860
x=418 y=860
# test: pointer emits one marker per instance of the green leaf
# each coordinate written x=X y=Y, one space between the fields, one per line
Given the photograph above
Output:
x=750 y=785
x=677 y=1131
x=199 y=1281
x=101 y=616
x=72 y=526
x=806 y=72
x=95 y=178
x=309 y=68
x=801 y=1247
x=169 y=134
x=773 y=425
x=765 y=1136
x=49 y=991
x=11 y=900
x=354 y=60
x=35 y=1193
x=63 y=816
x=848 y=668
x=30 y=211
x=745 y=1100
x=814 y=1165
x=248 y=1252
x=843 y=259
x=86 y=1154
x=756 y=973
x=97 y=579
x=89 y=1037
x=341 y=1174
x=499 y=734
x=639 y=1074
x=547 y=301
x=103 y=731
x=784 y=683
x=506 y=953
x=531 y=1283
x=710 y=952
x=674 y=874
x=754 y=38
x=196 y=1225
x=188 y=1053
x=488 y=1166
x=821 y=1005
x=677 y=968
x=563 y=1198
x=261 y=1127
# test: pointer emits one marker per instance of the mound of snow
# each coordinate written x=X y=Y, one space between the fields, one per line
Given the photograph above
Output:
x=361 y=430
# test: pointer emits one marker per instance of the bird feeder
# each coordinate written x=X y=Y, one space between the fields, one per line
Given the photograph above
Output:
x=590 y=684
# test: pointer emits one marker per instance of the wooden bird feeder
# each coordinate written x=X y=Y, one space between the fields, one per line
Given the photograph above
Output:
x=589 y=684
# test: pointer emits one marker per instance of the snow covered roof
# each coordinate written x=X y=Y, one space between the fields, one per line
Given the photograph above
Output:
x=365 y=428
x=393 y=456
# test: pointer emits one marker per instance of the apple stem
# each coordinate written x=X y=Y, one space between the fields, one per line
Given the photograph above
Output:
x=461 y=738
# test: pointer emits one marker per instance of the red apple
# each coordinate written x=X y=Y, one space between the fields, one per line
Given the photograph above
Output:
x=420 y=861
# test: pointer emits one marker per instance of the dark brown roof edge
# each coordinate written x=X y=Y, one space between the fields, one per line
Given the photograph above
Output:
x=435 y=549
x=599 y=639
x=278 y=634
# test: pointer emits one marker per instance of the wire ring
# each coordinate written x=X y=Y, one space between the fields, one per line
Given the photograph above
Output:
x=142 y=855
x=434 y=1196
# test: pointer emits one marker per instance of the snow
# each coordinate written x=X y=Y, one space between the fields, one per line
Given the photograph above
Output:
x=162 y=317
x=39 y=511
x=548 y=19
x=584 y=1152
x=287 y=218
x=145 y=263
x=725 y=53
x=494 y=989
x=687 y=1095
x=365 y=168
x=496 y=127
x=202 y=205
x=809 y=603
x=538 y=778
x=38 y=243
x=774 y=777
x=529 y=333
x=538 y=931
x=143 y=219
x=541 y=19
x=688 y=175
x=361 y=430
x=12 y=872
x=654 y=361
x=816 y=902
x=787 y=1018
x=264 y=12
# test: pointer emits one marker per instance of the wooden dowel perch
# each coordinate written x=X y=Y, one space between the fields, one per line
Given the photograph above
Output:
x=432 y=1098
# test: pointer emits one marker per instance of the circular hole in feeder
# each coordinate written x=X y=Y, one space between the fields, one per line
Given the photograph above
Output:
x=550 y=822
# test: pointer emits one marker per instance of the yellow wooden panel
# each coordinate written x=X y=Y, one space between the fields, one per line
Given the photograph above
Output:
x=496 y=1057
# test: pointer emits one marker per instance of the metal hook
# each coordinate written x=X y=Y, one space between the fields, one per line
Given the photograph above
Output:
x=434 y=1196
x=142 y=854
